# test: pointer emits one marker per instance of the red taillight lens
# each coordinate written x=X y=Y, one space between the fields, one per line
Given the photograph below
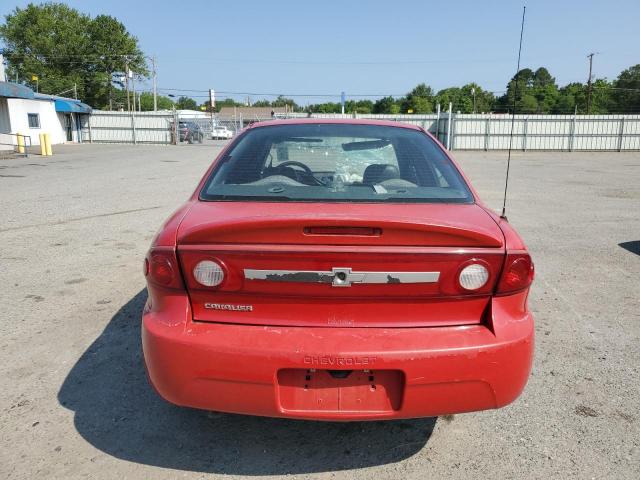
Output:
x=517 y=275
x=161 y=267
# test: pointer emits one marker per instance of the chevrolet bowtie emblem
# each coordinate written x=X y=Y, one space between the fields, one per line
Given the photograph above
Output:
x=340 y=276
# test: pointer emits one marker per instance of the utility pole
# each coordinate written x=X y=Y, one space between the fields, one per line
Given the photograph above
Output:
x=155 y=87
x=212 y=105
x=126 y=81
x=590 y=57
x=133 y=88
x=473 y=92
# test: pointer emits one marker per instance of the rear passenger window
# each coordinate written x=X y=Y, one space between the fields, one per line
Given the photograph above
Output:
x=336 y=163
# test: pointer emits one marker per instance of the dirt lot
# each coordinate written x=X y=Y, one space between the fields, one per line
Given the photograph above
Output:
x=75 y=402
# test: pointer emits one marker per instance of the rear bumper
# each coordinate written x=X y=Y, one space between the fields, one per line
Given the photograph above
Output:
x=236 y=368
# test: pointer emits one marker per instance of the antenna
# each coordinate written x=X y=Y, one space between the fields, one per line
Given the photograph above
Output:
x=513 y=117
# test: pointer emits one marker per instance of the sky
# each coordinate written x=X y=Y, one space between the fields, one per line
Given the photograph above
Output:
x=370 y=48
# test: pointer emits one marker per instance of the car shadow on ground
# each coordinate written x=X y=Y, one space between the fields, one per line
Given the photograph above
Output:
x=633 y=246
x=118 y=412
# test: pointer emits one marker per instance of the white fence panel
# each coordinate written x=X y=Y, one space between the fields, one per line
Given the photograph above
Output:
x=128 y=127
x=530 y=132
x=468 y=131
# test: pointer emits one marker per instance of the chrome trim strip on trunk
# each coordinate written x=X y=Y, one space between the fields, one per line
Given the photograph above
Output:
x=340 y=276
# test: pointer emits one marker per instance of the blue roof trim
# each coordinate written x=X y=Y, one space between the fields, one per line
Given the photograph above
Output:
x=15 y=90
x=71 y=106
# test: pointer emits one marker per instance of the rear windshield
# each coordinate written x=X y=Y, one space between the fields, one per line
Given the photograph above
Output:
x=336 y=163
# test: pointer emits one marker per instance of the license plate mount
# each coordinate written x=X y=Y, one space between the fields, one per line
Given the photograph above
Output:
x=340 y=391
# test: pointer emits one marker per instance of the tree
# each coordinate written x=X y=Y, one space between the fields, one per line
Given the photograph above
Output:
x=113 y=50
x=418 y=100
x=571 y=98
x=328 y=107
x=545 y=90
x=360 y=106
x=186 y=103
x=65 y=48
x=542 y=78
x=146 y=102
x=262 y=103
x=386 y=105
x=282 y=101
x=603 y=101
x=627 y=95
x=466 y=98
x=537 y=92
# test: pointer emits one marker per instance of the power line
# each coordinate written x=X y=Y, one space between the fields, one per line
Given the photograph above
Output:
x=316 y=95
x=269 y=61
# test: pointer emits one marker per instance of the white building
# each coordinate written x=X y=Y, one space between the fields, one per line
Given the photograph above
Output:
x=24 y=112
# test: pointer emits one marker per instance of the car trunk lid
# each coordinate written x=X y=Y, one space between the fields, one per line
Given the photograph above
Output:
x=329 y=265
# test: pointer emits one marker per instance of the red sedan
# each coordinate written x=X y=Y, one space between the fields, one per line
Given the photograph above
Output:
x=337 y=270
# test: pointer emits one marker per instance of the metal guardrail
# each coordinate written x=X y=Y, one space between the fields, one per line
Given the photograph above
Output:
x=14 y=144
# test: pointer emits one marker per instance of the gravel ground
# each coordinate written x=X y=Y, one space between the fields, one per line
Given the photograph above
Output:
x=75 y=402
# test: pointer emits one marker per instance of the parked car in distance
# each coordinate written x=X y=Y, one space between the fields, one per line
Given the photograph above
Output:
x=189 y=132
x=221 y=133
x=337 y=270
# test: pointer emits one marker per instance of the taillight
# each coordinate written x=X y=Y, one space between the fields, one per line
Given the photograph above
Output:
x=208 y=273
x=517 y=275
x=161 y=268
x=473 y=277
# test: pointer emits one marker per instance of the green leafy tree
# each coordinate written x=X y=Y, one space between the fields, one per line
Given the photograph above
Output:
x=418 y=100
x=282 y=101
x=542 y=78
x=146 y=102
x=545 y=90
x=328 y=107
x=603 y=98
x=186 y=103
x=386 y=105
x=626 y=97
x=466 y=98
x=360 y=106
x=112 y=49
x=571 y=97
x=262 y=103
x=65 y=48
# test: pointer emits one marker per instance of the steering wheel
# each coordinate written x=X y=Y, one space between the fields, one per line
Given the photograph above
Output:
x=293 y=163
x=307 y=171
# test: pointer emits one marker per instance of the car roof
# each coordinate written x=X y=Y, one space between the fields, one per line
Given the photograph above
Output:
x=344 y=121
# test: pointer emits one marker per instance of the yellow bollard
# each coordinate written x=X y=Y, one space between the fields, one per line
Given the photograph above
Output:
x=43 y=146
x=47 y=141
x=20 y=143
